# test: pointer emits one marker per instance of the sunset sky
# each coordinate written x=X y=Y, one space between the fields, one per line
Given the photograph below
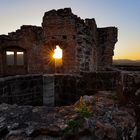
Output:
x=124 y=14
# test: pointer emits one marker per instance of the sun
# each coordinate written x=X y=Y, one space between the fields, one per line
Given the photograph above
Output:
x=57 y=53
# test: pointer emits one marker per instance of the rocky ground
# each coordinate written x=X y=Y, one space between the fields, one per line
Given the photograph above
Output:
x=97 y=117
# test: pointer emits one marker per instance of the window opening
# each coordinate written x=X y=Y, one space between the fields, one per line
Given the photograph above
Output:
x=20 y=58
x=10 y=57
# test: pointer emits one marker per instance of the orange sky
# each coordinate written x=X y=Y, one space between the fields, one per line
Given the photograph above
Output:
x=129 y=49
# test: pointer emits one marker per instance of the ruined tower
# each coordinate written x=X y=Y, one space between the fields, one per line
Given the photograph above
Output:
x=85 y=47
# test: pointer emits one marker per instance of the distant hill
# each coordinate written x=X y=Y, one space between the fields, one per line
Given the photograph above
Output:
x=126 y=62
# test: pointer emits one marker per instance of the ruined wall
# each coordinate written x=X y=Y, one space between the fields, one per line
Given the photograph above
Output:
x=58 y=89
x=91 y=23
x=1 y=68
x=69 y=88
x=49 y=90
x=25 y=38
x=129 y=87
x=22 y=90
x=85 y=47
x=60 y=28
x=65 y=89
x=107 y=37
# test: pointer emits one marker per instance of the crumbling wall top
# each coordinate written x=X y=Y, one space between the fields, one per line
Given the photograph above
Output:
x=60 y=12
x=108 y=34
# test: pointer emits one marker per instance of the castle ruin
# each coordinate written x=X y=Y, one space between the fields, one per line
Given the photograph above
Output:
x=85 y=47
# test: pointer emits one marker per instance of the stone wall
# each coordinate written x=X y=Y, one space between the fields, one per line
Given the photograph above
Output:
x=59 y=29
x=130 y=87
x=69 y=88
x=26 y=38
x=86 y=44
x=66 y=89
x=106 y=42
x=85 y=47
x=49 y=90
x=1 y=68
x=107 y=80
x=22 y=90
x=76 y=37
x=129 y=92
x=54 y=90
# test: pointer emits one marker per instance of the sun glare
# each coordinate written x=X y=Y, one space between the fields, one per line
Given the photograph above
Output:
x=57 y=53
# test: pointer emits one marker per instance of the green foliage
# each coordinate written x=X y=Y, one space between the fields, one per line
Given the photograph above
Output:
x=82 y=109
x=73 y=125
x=84 y=114
x=114 y=97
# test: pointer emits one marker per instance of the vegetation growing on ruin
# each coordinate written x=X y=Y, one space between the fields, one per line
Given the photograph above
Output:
x=84 y=110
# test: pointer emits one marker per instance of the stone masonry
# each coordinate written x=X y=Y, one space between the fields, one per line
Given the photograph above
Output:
x=85 y=47
x=54 y=89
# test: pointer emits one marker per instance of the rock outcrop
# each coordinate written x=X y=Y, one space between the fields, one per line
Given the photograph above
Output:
x=92 y=117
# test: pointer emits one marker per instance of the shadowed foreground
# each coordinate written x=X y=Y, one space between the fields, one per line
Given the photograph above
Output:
x=95 y=117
